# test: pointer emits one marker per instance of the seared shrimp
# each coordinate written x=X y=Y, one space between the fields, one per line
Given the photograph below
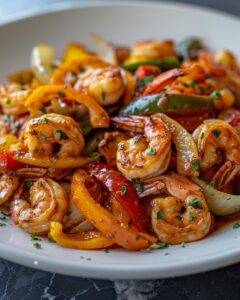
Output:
x=105 y=85
x=153 y=49
x=146 y=154
x=212 y=136
x=36 y=172
x=109 y=145
x=53 y=135
x=8 y=184
x=33 y=210
x=183 y=216
x=12 y=99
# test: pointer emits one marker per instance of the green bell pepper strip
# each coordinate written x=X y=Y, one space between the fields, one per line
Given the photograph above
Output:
x=168 y=103
x=165 y=63
x=188 y=48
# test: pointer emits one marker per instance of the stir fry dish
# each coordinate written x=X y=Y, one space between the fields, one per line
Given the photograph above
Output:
x=137 y=148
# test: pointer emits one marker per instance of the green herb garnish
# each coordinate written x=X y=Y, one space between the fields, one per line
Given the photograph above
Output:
x=191 y=216
x=160 y=215
x=196 y=165
x=196 y=203
x=137 y=138
x=61 y=94
x=216 y=133
x=123 y=190
x=152 y=152
x=215 y=95
x=62 y=134
x=236 y=225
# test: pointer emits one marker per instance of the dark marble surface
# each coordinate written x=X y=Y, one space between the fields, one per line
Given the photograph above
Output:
x=17 y=282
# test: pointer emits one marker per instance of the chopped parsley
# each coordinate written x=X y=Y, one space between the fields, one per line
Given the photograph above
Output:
x=195 y=203
x=103 y=96
x=8 y=119
x=152 y=152
x=185 y=85
x=215 y=95
x=37 y=245
x=160 y=215
x=202 y=135
x=46 y=120
x=8 y=101
x=123 y=190
x=68 y=213
x=179 y=217
x=62 y=134
x=201 y=89
x=145 y=80
x=61 y=94
x=139 y=188
x=28 y=184
x=121 y=146
x=196 y=165
x=147 y=250
x=137 y=138
x=191 y=216
x=43 y=110
x=94 y=171
x=194 y=84
x=161 y=245
x=34 y=237
x=216 y=133
x=236 y=225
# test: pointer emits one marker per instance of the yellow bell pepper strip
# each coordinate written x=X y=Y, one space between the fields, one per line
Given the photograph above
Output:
x=57 y=163
x=6 y=141
x=83 y=241
x=187 y=153
x=77 y=66
x=99 y=118
x=73 y=52
x=122 y=234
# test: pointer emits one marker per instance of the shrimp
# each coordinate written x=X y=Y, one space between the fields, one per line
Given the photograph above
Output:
x=146 y=154
x=153 y=49
x=8 y=184
x=35 y=205
x=217 y=141
x=12 y=99
x=52 y=135
x=105 y=85
x=183 y=216
x=214 y=136
x=109 y=145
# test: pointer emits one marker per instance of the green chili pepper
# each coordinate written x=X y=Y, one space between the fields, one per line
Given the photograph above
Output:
x=188 y=48
x=165 y=63
x=166 y=103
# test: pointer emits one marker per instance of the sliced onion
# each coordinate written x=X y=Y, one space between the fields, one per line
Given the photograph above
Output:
x=219 y=203
x=103 y=48
x=42 y=62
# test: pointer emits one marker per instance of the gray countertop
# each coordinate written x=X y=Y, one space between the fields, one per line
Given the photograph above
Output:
x=17 y=282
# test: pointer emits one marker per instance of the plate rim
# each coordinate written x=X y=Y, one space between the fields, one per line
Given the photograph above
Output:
x=35 y=260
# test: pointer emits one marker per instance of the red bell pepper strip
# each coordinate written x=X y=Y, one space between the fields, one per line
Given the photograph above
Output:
x=146 y=70
x=8 y=163
x=122 y=190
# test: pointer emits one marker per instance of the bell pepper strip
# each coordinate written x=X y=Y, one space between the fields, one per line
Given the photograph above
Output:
x=8 y=162
x=164 y=63
x=6 y=141
x=77 y=66
x=83 y=241
x=73 y=52
x=187 y=152
x=219 y=203
x=131 y=84
x=146 y=70
x=22 y=157
x=187 y=49
x=122 y=234
x=162 y=80
x=168 y=103
x=98 y=116
x=122 y=190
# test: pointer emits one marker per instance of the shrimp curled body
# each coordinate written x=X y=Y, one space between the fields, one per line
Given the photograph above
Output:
x=184 y=214
x=46 y=202
x=147 y=154
x=53 y=135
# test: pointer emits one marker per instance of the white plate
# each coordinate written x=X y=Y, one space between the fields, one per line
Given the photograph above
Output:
x=121 y=23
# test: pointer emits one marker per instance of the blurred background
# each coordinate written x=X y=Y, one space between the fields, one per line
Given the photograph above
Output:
x=12 y=7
